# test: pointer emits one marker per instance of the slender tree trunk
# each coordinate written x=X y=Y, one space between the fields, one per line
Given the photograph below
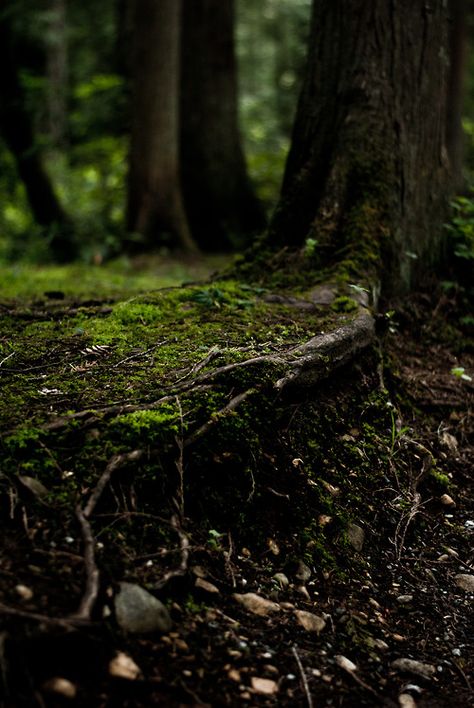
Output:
x=219 y=199
x=367 y=171
x=155 y=207
x=57 y=73
x=17 y=130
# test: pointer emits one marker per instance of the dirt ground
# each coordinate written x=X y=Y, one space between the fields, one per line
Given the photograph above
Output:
x=268 y=615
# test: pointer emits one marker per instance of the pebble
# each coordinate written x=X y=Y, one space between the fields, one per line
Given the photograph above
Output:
x=206 y=586
x=356 y=536
x=24 y=592
x=446 y=500
x=139 y=612
x=465 y=582
x=404 y=599
x=281 y=579
x=256 y=604
x=123 y=666
x=405 y=700
x=344 y=663
x=61 y=687
x=266 y=687
x=310 y=622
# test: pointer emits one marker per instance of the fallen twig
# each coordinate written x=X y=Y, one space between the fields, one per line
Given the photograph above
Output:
x=92 y=572
x=304 y=680
x=114 y=463
x=38 y=617
x=228 y=408
x=184 y=547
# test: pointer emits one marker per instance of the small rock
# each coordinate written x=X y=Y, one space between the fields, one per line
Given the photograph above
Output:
x=443 y=558
x=139 y=612
x=310 y=622
x=302 y=572
x=404 y=599
x=24 y=592
x=123 y=666
x=356 y=536
x=302 y=590
x=199 y=571
x=273 y=546
x=465 y=582
x=256 y=604
x=266 y=687
x=405 y=700
x=380 y=644
x=282 y=580
x=344 y=663
x=418 y=668
x=61 y=687
x=446 y=500
x=206 y=586
x=234 y=675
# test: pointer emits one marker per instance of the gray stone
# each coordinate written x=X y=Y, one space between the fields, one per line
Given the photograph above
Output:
x=465 y=582
x=139 y=612
x=356 y=536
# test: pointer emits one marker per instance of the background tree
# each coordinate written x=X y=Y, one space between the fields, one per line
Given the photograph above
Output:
x=366 y=176
x=155 y=207
x=220 y=202
x=16 y=126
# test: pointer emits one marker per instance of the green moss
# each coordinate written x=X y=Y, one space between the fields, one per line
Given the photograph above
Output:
x=343 y=303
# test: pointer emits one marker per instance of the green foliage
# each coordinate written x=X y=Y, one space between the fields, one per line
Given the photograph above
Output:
x=461 y=228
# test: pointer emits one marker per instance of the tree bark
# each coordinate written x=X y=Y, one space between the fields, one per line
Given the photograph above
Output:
x=220 y=203
x=367 y=171
x=155 y=207
x=17 y=130
x=455 y=99
x=57 y=73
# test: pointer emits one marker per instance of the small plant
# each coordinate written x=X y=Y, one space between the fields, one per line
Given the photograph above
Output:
x=213 y=540
x=459 y=372
x=461 y=228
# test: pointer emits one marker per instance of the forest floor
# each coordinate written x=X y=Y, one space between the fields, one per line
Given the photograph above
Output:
x=313 y=548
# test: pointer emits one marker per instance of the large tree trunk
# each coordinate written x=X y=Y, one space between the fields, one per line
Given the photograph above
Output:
x=17 y=130
x=367 y=170
x=155 y=207
x=455 y=100
x=219 y=199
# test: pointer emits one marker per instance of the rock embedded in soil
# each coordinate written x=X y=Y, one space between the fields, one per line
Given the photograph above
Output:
x=310 y=622
x=465 y=582
x=139 y=612
x=266 y=687
x=61 y=687
x=122 y=666
x=256 y=604
x=417 y=668
x=356 y=536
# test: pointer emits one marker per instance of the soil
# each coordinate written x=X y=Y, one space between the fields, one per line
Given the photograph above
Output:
x=352 y=501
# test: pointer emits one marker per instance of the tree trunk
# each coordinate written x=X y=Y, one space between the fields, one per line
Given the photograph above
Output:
x=367 y=171
x=155 y=207
x=220 y=202
x=57 y=72
x=17 y=130
x=457 y=70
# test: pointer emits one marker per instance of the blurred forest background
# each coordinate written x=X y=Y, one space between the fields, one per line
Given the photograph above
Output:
x=79 y=117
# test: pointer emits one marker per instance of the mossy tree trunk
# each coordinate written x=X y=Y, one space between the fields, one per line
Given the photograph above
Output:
x=367 y=173
x=155 y=205
x=219 y=199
